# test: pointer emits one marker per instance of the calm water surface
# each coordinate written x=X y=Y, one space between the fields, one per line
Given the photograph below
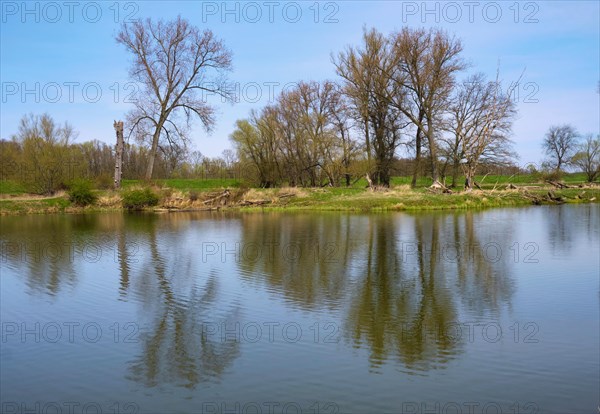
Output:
x=494 y=311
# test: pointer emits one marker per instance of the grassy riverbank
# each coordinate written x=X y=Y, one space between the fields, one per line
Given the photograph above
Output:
x=216 y=194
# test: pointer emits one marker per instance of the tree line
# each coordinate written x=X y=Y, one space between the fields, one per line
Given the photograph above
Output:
x=43 y=157
x=402 y=105
x=395 y=92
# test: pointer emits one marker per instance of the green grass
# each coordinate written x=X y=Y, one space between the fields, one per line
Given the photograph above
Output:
x=339 y=199
x=491 y=180
x=45 y=205
x=485 y=181
x=187 y=184
x=11 y=187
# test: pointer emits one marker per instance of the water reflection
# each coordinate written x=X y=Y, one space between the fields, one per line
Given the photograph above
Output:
x=398 y=278
x=304 y=258
x=179 y=301
x=39 y=251
x=399 y=304
x=394 y=283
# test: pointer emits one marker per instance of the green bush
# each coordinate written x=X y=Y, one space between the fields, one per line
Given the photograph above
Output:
x=81 y=194
x=551 y=175
x=105 y=181
x=138 y=199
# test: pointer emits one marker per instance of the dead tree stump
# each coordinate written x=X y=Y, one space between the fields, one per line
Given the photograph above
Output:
x=118 y=154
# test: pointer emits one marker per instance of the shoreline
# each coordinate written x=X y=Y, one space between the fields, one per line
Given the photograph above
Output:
x=314 y=199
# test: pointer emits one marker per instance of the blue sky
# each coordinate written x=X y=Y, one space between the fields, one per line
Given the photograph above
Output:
x=61 y=57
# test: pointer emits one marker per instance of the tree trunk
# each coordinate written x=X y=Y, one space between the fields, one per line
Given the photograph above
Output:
x=417 y=167
x=384 y=177
x=153 y=151
x=369 y=181
x=119 y=154
x=433 y=156
x=367 y=142
x=469 y=179
x=454 y=173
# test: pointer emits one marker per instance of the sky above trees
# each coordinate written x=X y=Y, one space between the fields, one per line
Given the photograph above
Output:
x=62 y=57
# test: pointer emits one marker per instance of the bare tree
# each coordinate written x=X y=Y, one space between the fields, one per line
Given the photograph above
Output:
x=229 y=157
x=366 y=72
x=174 y=155
x=587 y=157
x=304 y=138
x=341 y=114
x=307 y=125
x=172 y=61
x=426 y=62
x=559 y=144
x=481 y=121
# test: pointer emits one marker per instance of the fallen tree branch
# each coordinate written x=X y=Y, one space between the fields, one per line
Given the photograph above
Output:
x=225 y=194
x=254 y=203
x=557 y=184
x=286 y=195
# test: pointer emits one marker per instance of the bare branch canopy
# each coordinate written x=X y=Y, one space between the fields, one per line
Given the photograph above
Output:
x=178 y=66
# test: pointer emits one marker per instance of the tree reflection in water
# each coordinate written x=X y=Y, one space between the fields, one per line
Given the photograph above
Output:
x=175 y=350
x=394 y=283
x=399 y=279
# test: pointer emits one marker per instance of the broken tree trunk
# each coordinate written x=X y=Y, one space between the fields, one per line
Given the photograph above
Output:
x=369 y=181
x=221 y=197
x=436 y=186
x=557 y=184
x=118 y=154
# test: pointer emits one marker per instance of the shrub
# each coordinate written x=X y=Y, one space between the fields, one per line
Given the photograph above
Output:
x=138 y=199
x=81 y=194
x=105 y=181
x=551 y=175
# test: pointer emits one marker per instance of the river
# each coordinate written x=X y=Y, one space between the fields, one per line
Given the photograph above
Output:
x=471 y=311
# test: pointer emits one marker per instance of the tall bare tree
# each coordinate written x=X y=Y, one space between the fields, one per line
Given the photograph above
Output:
x=177 y=66
x=366 y=72
x=559 y=144
x=426 y=62
x=342 y=121
x=481 y=121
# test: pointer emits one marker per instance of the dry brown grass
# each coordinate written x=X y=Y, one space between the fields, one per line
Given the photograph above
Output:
x=402 y=188
x=109 y=200
x=254 y=194
x=176 y=200
x=274 y=194
x=296 y=191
